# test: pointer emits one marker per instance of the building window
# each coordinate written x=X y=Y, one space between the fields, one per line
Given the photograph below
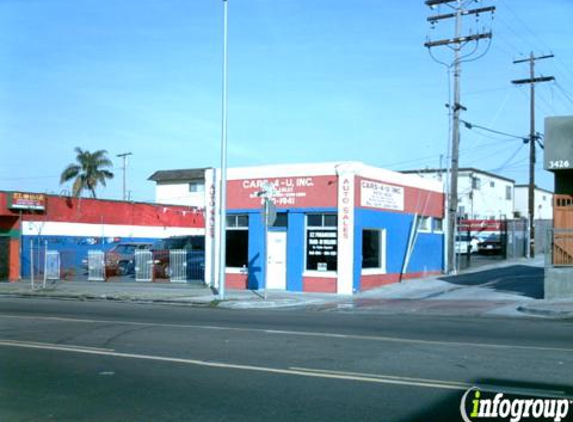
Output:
x=196 y=187
x=508 y=193
x=321 y=242
x=438 y=225
x=281 y=221
x=373 y=249
x=476 y=183
x=425 y=224
x=238 y=221
x=237 y=248
x=491 y=184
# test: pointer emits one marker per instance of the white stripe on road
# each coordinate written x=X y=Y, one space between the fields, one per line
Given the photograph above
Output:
x=370 y=378
x=57 y=346
x=299 y=333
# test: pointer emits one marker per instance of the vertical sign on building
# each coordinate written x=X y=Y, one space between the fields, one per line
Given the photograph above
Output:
x=210 y=227
x=346 y=180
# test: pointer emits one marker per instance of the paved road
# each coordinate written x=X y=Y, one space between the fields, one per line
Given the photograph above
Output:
x=86 y=361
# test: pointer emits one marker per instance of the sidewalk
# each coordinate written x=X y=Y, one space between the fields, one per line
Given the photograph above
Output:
x=430 y=295
x=172 y=293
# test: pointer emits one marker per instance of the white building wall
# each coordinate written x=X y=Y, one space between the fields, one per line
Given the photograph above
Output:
x=543 y=203
x=485 y=197
x=484 y=200
x=177 y=193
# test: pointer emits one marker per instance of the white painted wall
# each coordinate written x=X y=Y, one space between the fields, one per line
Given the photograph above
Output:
x=543 y=203
x=177 y=193
x=487 y=201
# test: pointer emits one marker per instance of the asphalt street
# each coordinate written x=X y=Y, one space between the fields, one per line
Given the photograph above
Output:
x=94 y=361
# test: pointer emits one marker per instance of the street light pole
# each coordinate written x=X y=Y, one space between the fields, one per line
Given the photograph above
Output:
x=124 y=168
x=223 y=181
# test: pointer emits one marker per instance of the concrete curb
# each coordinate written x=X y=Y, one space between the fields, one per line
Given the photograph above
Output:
x=230 y=303
x=95 y=297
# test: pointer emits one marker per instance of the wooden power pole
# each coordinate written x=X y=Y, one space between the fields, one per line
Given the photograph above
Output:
x=532 y=80
x=456 y=44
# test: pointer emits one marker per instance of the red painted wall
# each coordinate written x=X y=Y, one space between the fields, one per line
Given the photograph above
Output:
x=319 y=284
x=299 y=192
x=372 y=281
x=236 y=281
x=98 y=211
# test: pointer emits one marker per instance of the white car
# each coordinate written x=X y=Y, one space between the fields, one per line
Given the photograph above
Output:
x=466 y=244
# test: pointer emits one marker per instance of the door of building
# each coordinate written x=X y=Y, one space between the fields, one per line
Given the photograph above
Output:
x=4 y=257
x=276 y=260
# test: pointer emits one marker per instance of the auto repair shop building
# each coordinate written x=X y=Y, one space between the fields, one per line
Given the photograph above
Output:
x=340 y=227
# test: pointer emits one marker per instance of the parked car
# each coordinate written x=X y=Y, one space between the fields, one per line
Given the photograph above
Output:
x=119 y=260
x=194 y=257
x=466 y=244
x=491 y=245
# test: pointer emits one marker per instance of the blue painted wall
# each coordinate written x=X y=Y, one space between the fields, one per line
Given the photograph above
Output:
x=73 y=249
x=295 y=246
x=295 y=250
x=256 y=254
x=428 y=249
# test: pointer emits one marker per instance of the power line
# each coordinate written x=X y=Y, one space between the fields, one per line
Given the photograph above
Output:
x=469 y=125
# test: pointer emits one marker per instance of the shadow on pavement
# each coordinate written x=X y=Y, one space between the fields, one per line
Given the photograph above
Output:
x=448 y=408
x=521 y=279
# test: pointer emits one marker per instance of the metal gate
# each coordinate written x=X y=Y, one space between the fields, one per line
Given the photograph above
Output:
x=143 y=265
x=186 y=265
x=516 y=239
x=96 y=265
x=52 y=265
x=178 y=265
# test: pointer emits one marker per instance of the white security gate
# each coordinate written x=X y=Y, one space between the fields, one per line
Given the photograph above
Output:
x=52 y=265
x=96 y=265
x=178 y=265
x=143 y=265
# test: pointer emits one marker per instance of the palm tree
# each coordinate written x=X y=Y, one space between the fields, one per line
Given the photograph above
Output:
x=88 y=171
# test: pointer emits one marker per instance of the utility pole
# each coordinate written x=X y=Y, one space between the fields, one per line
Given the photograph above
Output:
x=124 y=168
x=223 y=190
x=456 y=44
x=532 y=80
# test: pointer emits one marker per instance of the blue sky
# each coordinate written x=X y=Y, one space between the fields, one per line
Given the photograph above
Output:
x=309 y=81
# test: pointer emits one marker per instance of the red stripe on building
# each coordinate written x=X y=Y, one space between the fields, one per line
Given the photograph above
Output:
x=319 y=285
x=236 y=281
x=368 y=282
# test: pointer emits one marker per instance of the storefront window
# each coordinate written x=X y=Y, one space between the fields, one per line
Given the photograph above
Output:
x=321 y=242
x=237 y=250
x=373 y=242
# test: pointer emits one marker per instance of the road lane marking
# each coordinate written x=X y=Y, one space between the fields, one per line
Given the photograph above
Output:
x=493 y=388
x=300 y=333
x=362 y=374
x=376 y=379
x=54 y=346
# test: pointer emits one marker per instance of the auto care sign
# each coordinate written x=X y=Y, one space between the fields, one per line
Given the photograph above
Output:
x=382 y=196
x=27 y=201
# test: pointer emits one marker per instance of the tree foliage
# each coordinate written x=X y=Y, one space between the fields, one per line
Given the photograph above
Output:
x=89 y=171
